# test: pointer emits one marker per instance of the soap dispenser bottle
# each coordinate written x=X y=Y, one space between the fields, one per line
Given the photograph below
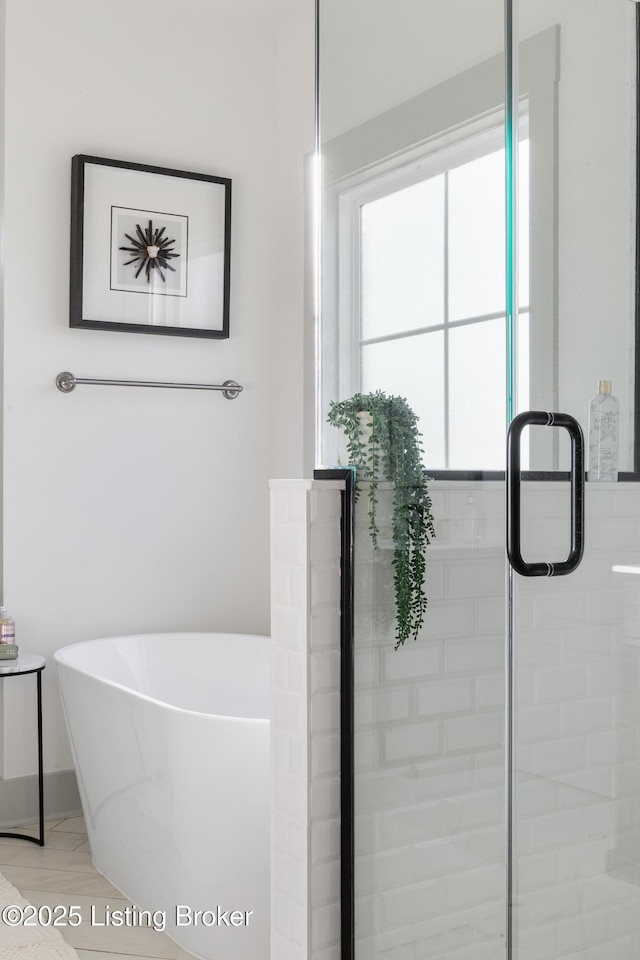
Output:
x=8 y=648
x=604 y=414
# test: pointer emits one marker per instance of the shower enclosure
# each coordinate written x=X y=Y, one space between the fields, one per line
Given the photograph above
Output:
x=478 y=256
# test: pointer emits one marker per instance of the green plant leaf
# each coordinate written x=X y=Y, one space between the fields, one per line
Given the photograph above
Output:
x=393 y=448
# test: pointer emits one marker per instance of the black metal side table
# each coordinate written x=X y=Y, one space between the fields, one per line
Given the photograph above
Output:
x=30 y=663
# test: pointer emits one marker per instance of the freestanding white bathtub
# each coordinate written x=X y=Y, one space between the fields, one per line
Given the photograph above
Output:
x=170 y=738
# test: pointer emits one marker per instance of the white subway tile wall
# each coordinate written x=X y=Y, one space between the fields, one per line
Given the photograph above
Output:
x=305 y=728
x=429 y=742
x=430 y=719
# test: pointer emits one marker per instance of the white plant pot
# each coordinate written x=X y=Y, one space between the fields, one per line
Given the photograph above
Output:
x=365 y=421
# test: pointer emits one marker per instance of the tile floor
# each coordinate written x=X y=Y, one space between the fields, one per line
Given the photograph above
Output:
x=61 y=872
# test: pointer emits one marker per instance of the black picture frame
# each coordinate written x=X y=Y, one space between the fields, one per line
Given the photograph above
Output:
x=150 y=249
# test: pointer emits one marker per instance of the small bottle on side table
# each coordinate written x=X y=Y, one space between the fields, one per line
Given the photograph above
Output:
x=8 y=648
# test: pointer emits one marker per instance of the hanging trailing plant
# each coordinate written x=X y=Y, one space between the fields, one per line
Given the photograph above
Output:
x=384 y=443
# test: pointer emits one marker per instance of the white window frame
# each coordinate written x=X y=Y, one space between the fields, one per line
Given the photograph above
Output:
x=410 y=135
x=440 y=159
x=350 y=204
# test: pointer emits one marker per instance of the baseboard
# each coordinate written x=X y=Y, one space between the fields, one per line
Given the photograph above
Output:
x=19 y=798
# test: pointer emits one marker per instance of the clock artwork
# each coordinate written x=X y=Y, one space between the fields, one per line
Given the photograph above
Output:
x=152 y=250
x=149 y=252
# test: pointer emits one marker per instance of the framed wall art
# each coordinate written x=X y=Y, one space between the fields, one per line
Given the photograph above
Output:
x=150 y=249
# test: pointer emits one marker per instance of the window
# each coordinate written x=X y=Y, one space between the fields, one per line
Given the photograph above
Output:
x=422 y=295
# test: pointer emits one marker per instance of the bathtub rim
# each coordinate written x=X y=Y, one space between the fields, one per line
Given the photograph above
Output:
x=61 y=661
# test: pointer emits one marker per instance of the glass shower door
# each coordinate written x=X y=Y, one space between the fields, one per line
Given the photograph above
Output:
x=575 y=752
x=575 y=784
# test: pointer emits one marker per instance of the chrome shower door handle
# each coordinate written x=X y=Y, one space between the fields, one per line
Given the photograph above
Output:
x=514 y=476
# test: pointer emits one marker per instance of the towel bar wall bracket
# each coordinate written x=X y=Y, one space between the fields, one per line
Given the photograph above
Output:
x=66 y=382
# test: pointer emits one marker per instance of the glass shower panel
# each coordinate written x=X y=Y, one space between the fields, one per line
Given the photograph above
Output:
x=412 y=131
x=576 y=786
x=429 y=740
x=407 y=102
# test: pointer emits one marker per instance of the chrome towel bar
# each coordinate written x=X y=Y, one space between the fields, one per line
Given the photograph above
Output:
x=66 y=382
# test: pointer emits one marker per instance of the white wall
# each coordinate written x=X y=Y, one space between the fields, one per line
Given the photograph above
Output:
x=129 y=511
x=295 y=141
